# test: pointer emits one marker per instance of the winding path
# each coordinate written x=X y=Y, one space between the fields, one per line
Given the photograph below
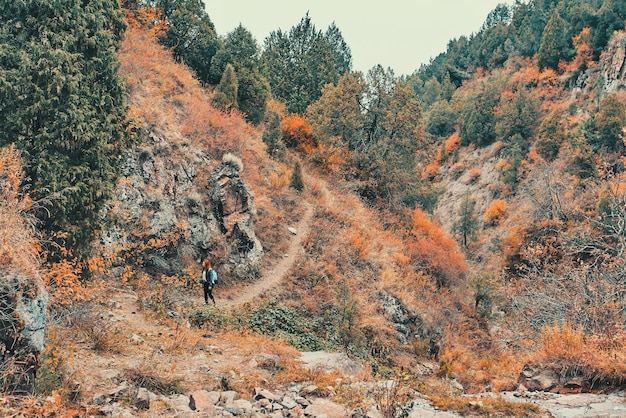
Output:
x=273 y=277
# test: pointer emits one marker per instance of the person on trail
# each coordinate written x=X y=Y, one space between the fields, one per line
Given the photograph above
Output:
x=208 y=280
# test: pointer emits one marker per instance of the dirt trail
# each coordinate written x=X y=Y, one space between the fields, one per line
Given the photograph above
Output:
x=273 y=277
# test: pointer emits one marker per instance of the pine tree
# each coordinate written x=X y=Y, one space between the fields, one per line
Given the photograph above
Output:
x=242 y=52
x=467 y=222
x=298 y=64
x=226 y=92
x=609 y=121
x=296 y=178
x=62 y=102
x=556 y=44
x=271 y=138
x=191 y=35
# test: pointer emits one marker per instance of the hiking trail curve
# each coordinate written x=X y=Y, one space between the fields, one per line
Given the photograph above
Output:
x=274 y=276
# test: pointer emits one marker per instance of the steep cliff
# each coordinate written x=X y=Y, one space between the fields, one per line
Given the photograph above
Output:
x=174 y=205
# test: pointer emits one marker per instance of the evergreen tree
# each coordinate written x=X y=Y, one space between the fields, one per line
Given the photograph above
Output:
x=299 y=64
x=609 y=121
x=296 y=178
x=551 y=136
x=556 y=44
x=271 y=138
x=62 y=104
x=341 y=50
x=337 y=118
x=191 y=36
x=226 y=92
x=242 y=52
x=467 y=222
x=518 y=116
x=441 y=119
x=254 y=91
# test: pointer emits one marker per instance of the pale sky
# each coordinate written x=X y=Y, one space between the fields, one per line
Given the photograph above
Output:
x=401 y=34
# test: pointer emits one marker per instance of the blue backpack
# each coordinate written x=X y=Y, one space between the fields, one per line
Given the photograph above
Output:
x=212 y=277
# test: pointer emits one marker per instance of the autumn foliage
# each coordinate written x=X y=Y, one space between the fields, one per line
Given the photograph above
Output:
x=18 y=246
x=297 y=133
x=495 y=213
x=434 y=251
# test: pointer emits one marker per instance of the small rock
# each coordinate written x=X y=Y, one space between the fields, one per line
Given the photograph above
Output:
x=293 y=230
x=141 y=399
x=120 y=392
x=245 y=407
x=202 y=400
x=310 y=390
x=101 y=399
x=115 y=411
x=179 y=403
x=260 y=393
x=288 y=402
x=228 y=397
x=262 y=403
x=136 y=339
x=323 y=407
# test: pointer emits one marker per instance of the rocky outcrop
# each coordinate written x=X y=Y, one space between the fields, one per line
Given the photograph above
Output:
x=299 y=400
x=556 y=378
x=23 y=305
x=232 y=206
x=174 y=204
x=613 y=63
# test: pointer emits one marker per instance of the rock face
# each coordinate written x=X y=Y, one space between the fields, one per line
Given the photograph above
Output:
x=232 y=206
x=613 y=63
x=175 y=204
x=551 y=378
x=23 y=305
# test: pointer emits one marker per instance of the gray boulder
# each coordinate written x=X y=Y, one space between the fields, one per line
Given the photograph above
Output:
x=23 y=307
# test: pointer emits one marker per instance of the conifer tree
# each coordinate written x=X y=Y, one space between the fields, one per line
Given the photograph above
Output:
x=467 y=222
x=271 y=138
x=191 y=35
x=62 y=104
x=226 y=92
x=242 y=52
x=296 y=178
x=556 y=44
x=609 y=121
x=299 y=63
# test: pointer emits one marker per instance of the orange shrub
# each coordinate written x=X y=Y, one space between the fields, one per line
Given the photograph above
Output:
x=496 y=212
x=18 y=247
x=474 y=174
x=432 y=168
x=434 y=251
x=296 y=132
x=453 y=142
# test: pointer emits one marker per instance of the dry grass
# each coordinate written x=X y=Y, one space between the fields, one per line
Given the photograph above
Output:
x=18 y=246
x=572 y=352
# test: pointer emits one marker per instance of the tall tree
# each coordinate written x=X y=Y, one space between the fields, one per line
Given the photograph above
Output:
x=341 y=50
x=299 y=64
x=337 y=117
x=518 y=116
x=556 y=44
x=242 y=52
x=610 y=122
x=191 y=35
x=478 y=118
x=467 y=222
x=226 y=92
x=62 y=102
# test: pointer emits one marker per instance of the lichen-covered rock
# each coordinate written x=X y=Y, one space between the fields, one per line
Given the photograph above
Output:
x=231 y=200
x=613 y=63
x=23 y=307
x=174 y=204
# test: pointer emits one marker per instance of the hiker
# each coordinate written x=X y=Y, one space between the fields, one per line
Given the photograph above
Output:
x=208 y=280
